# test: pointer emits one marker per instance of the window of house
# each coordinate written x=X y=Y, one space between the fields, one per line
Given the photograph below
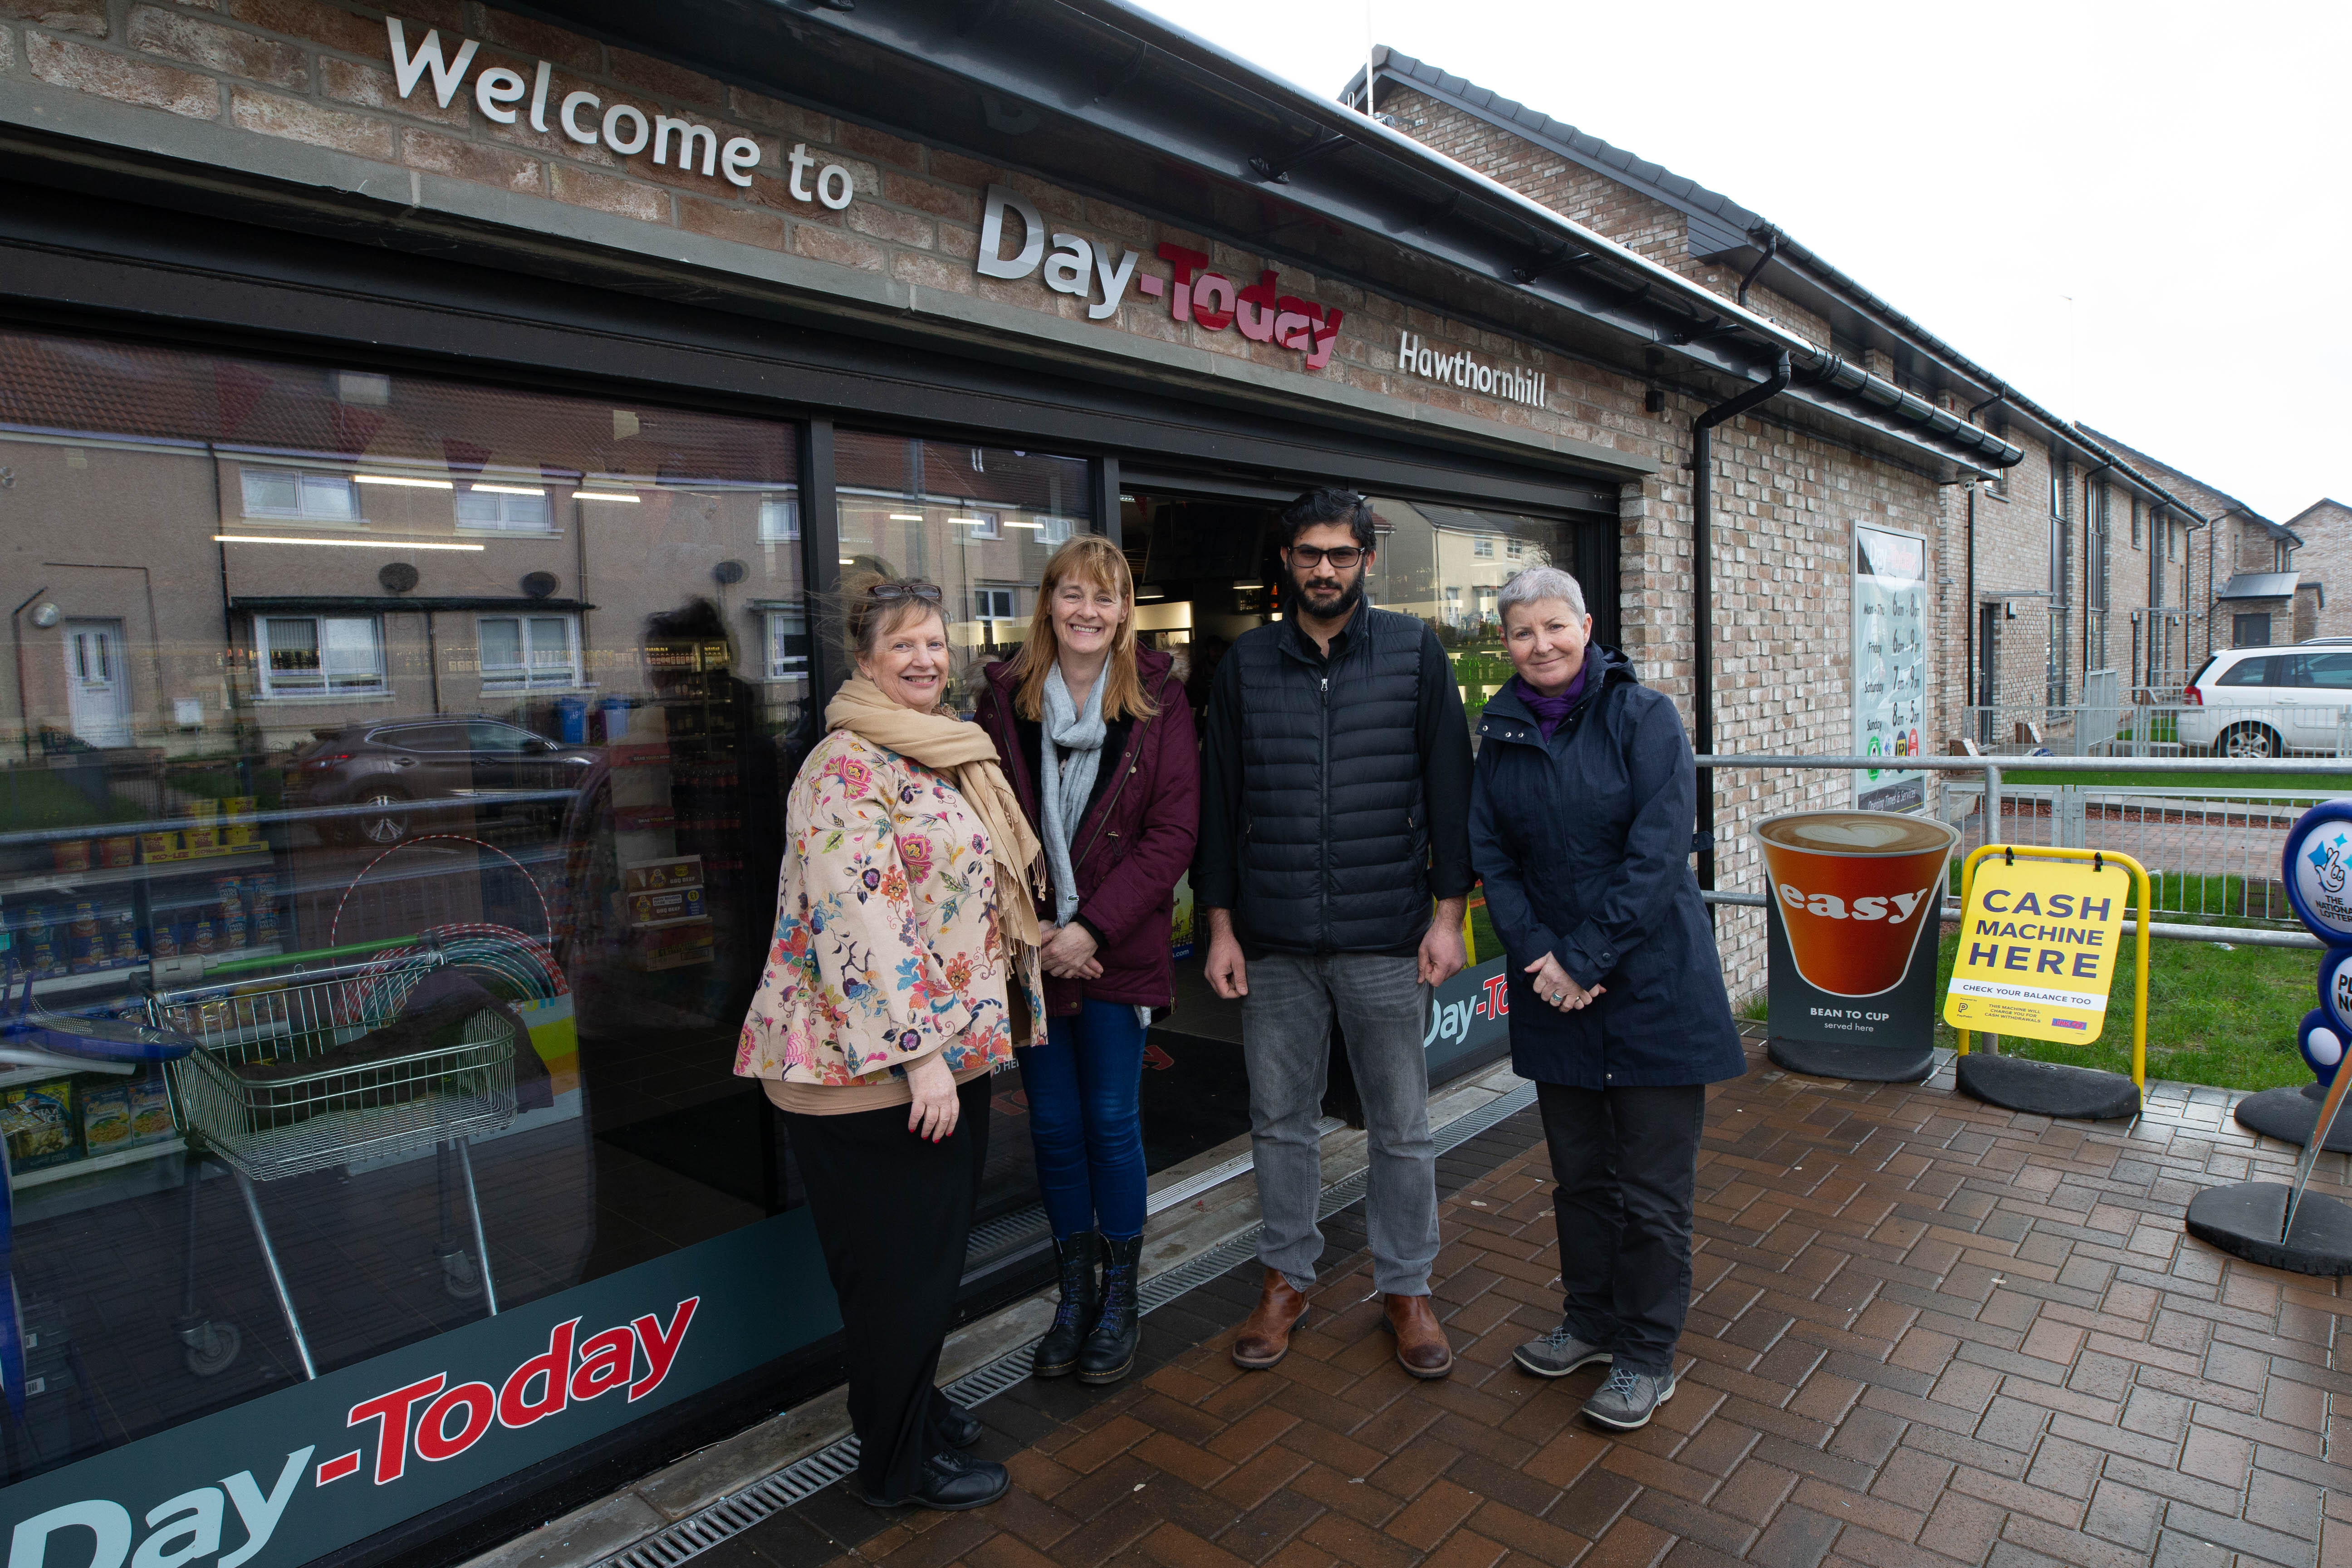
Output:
x=2278 y=556
x=788 y=644
x=291 y=493
x=780 y=520
x=318 y=656
x=975 y=524
x=1482 y=547
x=991 y=603
x=512 y=509
x=2249 y=631
x=1516 y=549
x=522 y=651
x=2134 y=506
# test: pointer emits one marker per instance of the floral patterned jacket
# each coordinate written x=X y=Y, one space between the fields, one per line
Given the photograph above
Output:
x=886 y=947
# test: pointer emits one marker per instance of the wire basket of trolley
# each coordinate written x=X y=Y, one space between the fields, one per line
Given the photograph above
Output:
x=394 y=1056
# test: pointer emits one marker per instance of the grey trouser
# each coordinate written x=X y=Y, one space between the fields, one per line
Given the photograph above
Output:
x=1286 y=1041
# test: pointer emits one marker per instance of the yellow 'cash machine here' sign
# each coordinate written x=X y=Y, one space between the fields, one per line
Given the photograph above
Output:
x=2038 y=949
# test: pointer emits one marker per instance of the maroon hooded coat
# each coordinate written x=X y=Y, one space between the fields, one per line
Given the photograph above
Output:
x=1134 y=843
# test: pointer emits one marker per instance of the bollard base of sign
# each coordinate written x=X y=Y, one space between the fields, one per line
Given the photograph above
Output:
x=2289 y=1115
x=2046 y=1088
x=2244 y=1221
x=1858 y=1063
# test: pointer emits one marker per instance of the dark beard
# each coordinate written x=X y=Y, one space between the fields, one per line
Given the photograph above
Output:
x=1350 y=597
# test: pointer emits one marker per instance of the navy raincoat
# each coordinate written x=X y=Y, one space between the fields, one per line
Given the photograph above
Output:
x=1584 y=845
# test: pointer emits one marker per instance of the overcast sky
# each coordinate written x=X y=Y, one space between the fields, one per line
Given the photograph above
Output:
x=2179 y=171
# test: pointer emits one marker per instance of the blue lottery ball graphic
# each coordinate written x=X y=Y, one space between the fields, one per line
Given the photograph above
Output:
x=2322 y=1045
x=2318 y=870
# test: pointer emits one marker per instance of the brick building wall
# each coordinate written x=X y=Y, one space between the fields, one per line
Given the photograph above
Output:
x=2325 y=561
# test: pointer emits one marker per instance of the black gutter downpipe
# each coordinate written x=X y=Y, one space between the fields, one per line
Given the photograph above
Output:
x=1703 y=595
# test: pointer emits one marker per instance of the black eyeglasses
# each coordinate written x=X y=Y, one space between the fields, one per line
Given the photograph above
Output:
x=890 y=593
x=1308 y=556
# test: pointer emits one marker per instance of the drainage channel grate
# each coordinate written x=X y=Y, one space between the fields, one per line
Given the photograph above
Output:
x=804 y=1477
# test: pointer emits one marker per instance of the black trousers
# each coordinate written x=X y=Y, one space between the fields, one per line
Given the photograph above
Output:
x=893 y=1212
x=1626 y=1163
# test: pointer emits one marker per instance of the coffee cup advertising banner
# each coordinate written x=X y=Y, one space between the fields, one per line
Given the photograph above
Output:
x=2037 y=949
x=1855 y=897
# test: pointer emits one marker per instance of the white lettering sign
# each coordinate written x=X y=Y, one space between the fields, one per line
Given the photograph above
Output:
x=623 y=128
x=1209 y=301
x=1415 y=357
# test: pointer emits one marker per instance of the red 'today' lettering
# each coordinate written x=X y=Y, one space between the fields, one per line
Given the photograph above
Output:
x=1498 y=995
x=516 y=1406
x=389 y=1413
x=434 y=1441
x=660 y=1346
x=606 y=1361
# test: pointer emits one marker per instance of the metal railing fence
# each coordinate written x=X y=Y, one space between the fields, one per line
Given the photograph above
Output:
x=2213 y=853
x=2165 y=728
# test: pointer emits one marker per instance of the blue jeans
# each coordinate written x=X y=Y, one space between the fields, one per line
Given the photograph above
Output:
x=1082 y=1085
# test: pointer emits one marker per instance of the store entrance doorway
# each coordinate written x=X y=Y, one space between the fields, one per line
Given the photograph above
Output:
x=1208 y=568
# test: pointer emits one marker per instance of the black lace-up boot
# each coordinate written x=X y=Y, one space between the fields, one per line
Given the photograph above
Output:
x=1057 y=1353
x=1110 y=1349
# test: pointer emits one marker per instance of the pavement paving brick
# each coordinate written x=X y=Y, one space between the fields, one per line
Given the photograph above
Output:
x=1924 y=1333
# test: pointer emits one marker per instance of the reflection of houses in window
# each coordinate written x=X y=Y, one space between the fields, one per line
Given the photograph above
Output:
x=293 y=493
x=318 y=656
x=787 y=642
x=780 y=520
x=526 y=652
x=992 y=605
x=1482 y=547
x=507 y=508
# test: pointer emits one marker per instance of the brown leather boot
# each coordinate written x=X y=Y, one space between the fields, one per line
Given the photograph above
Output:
x=1421 y=1346
x=1266 y=1338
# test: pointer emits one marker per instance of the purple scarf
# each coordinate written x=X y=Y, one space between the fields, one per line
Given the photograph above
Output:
x=1550 y=711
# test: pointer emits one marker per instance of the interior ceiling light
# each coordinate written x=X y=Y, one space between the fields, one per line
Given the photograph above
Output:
x=1010 y=523
x=507 y=489
x=337 y=544
x=974 y=522
x=603 y=495
x=408 y=483
x=907 y=516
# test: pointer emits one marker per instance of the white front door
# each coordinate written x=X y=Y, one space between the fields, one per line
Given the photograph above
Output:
x=97 y=685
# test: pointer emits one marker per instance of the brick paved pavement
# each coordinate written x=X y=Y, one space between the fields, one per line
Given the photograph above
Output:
x=1925 y=1332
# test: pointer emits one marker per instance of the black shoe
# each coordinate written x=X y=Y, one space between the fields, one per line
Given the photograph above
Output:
x=951 y=1482
x=960 y=1428
x=1109 y=1350
x=1057 y=1353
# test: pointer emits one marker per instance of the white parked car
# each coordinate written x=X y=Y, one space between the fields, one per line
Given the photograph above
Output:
x=2269 y=701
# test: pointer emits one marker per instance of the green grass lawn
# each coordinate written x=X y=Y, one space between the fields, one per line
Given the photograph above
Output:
x=36 y=797
x=2221 y=1018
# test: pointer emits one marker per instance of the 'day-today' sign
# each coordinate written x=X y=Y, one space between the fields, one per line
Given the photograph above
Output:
x=2037 y=949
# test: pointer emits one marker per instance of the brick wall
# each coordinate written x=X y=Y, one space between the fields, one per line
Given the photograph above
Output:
x=2326 y=559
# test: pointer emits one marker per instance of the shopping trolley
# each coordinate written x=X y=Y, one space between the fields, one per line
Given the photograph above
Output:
x=302 y=1103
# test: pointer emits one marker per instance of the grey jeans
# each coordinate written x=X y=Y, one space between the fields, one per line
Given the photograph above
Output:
x=1286 y=1041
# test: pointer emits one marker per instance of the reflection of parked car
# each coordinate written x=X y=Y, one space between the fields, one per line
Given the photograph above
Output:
x=386 y=765
x=2266 y=702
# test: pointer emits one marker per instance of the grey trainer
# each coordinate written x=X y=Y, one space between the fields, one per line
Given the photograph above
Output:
x=1629 y=1398
x=1558 y=1353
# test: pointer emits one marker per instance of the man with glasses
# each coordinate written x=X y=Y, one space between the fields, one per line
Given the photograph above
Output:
x=1335 y=792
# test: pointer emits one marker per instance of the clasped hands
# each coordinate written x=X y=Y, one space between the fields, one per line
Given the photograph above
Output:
x=1554 y=987
x=1068 y=952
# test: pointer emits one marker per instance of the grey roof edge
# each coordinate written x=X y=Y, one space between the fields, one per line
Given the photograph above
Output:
x=2231 y=504
x=2314 y=506
x=1696 y=200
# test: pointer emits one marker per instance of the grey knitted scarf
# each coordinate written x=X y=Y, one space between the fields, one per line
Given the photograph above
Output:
x=1071 y=746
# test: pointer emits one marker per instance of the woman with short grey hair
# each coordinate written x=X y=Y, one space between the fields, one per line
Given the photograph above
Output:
x=1581 y=817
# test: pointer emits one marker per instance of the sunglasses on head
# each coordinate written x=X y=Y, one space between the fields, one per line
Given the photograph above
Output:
x=1344 y=557
x=890 y=593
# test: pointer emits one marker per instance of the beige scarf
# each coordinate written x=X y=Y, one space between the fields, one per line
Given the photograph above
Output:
x=964 y=753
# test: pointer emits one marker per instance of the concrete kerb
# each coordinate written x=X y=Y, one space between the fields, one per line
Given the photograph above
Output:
x=1173 y=1238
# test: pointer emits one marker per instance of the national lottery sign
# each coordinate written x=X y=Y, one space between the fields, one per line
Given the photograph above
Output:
x=2038 y=949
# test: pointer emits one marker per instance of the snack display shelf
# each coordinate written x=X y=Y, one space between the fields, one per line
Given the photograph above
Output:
x=91 y=1165
x=114 y=876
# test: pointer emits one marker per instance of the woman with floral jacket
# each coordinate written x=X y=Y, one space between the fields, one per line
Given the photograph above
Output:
x=903 y=973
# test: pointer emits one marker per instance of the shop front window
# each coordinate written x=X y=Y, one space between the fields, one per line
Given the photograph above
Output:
x=410 y=755
x=972 y=519
x=1443 y=565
